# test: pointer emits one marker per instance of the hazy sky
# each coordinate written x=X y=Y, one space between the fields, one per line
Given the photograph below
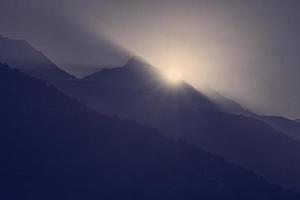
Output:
x=247 y=50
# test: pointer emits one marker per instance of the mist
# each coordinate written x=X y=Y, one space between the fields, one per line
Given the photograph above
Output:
x=248 y=51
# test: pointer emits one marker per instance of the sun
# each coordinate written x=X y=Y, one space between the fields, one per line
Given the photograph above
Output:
x=173 y=76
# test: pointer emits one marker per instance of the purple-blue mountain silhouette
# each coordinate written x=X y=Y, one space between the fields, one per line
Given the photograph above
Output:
x=290 y=127
x=185 y=113
x=21 y=55
x=137 y=91
x=55 y=148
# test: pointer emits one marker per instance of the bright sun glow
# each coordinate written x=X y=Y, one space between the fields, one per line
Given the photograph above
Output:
x=173 y=76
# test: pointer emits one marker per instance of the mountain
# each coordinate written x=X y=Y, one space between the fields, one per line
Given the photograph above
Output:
x=289 y=127
x=52 y=147
x=297 y=120
x=21 y=55
x=126 y=90
x=135 y=91
x=226 y=104
x=138 y=91
x=138 y=76
x=137 y=72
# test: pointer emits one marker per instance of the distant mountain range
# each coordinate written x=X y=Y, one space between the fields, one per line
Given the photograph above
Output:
x=185 y=113
x=21 y=55
x=139 y=92
x=54 y=148
x=290 y=127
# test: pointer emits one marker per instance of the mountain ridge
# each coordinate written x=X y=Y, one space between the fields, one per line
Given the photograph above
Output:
x=70 y=152
x=186 y=113
x=236 y=136
x=21 y=55
x=290 y=127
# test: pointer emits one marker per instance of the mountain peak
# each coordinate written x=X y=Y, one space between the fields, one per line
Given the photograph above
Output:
x=21 y=55
x=133 y=61
x=135 y=72
x=139 y=65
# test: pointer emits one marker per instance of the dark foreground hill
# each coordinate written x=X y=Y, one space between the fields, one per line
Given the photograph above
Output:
x=54 y=148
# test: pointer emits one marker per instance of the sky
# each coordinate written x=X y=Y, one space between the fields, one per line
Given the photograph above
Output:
x=246 y=50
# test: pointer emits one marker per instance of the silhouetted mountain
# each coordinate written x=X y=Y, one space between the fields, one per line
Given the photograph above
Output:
x=54 y=148
x=225 y=104
x=290 y=127
x=21 y=55
x=297 y=120
x=137 y=92
x=138 y=85
x=136 y=71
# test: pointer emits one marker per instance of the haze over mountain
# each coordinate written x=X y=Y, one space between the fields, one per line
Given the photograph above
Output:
x=145 y=84
x=185 y=113
x=149 y=100
x=20 y=54
x=243 y=49
x=54 y=148
x=290 y=127
x=140 y=92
